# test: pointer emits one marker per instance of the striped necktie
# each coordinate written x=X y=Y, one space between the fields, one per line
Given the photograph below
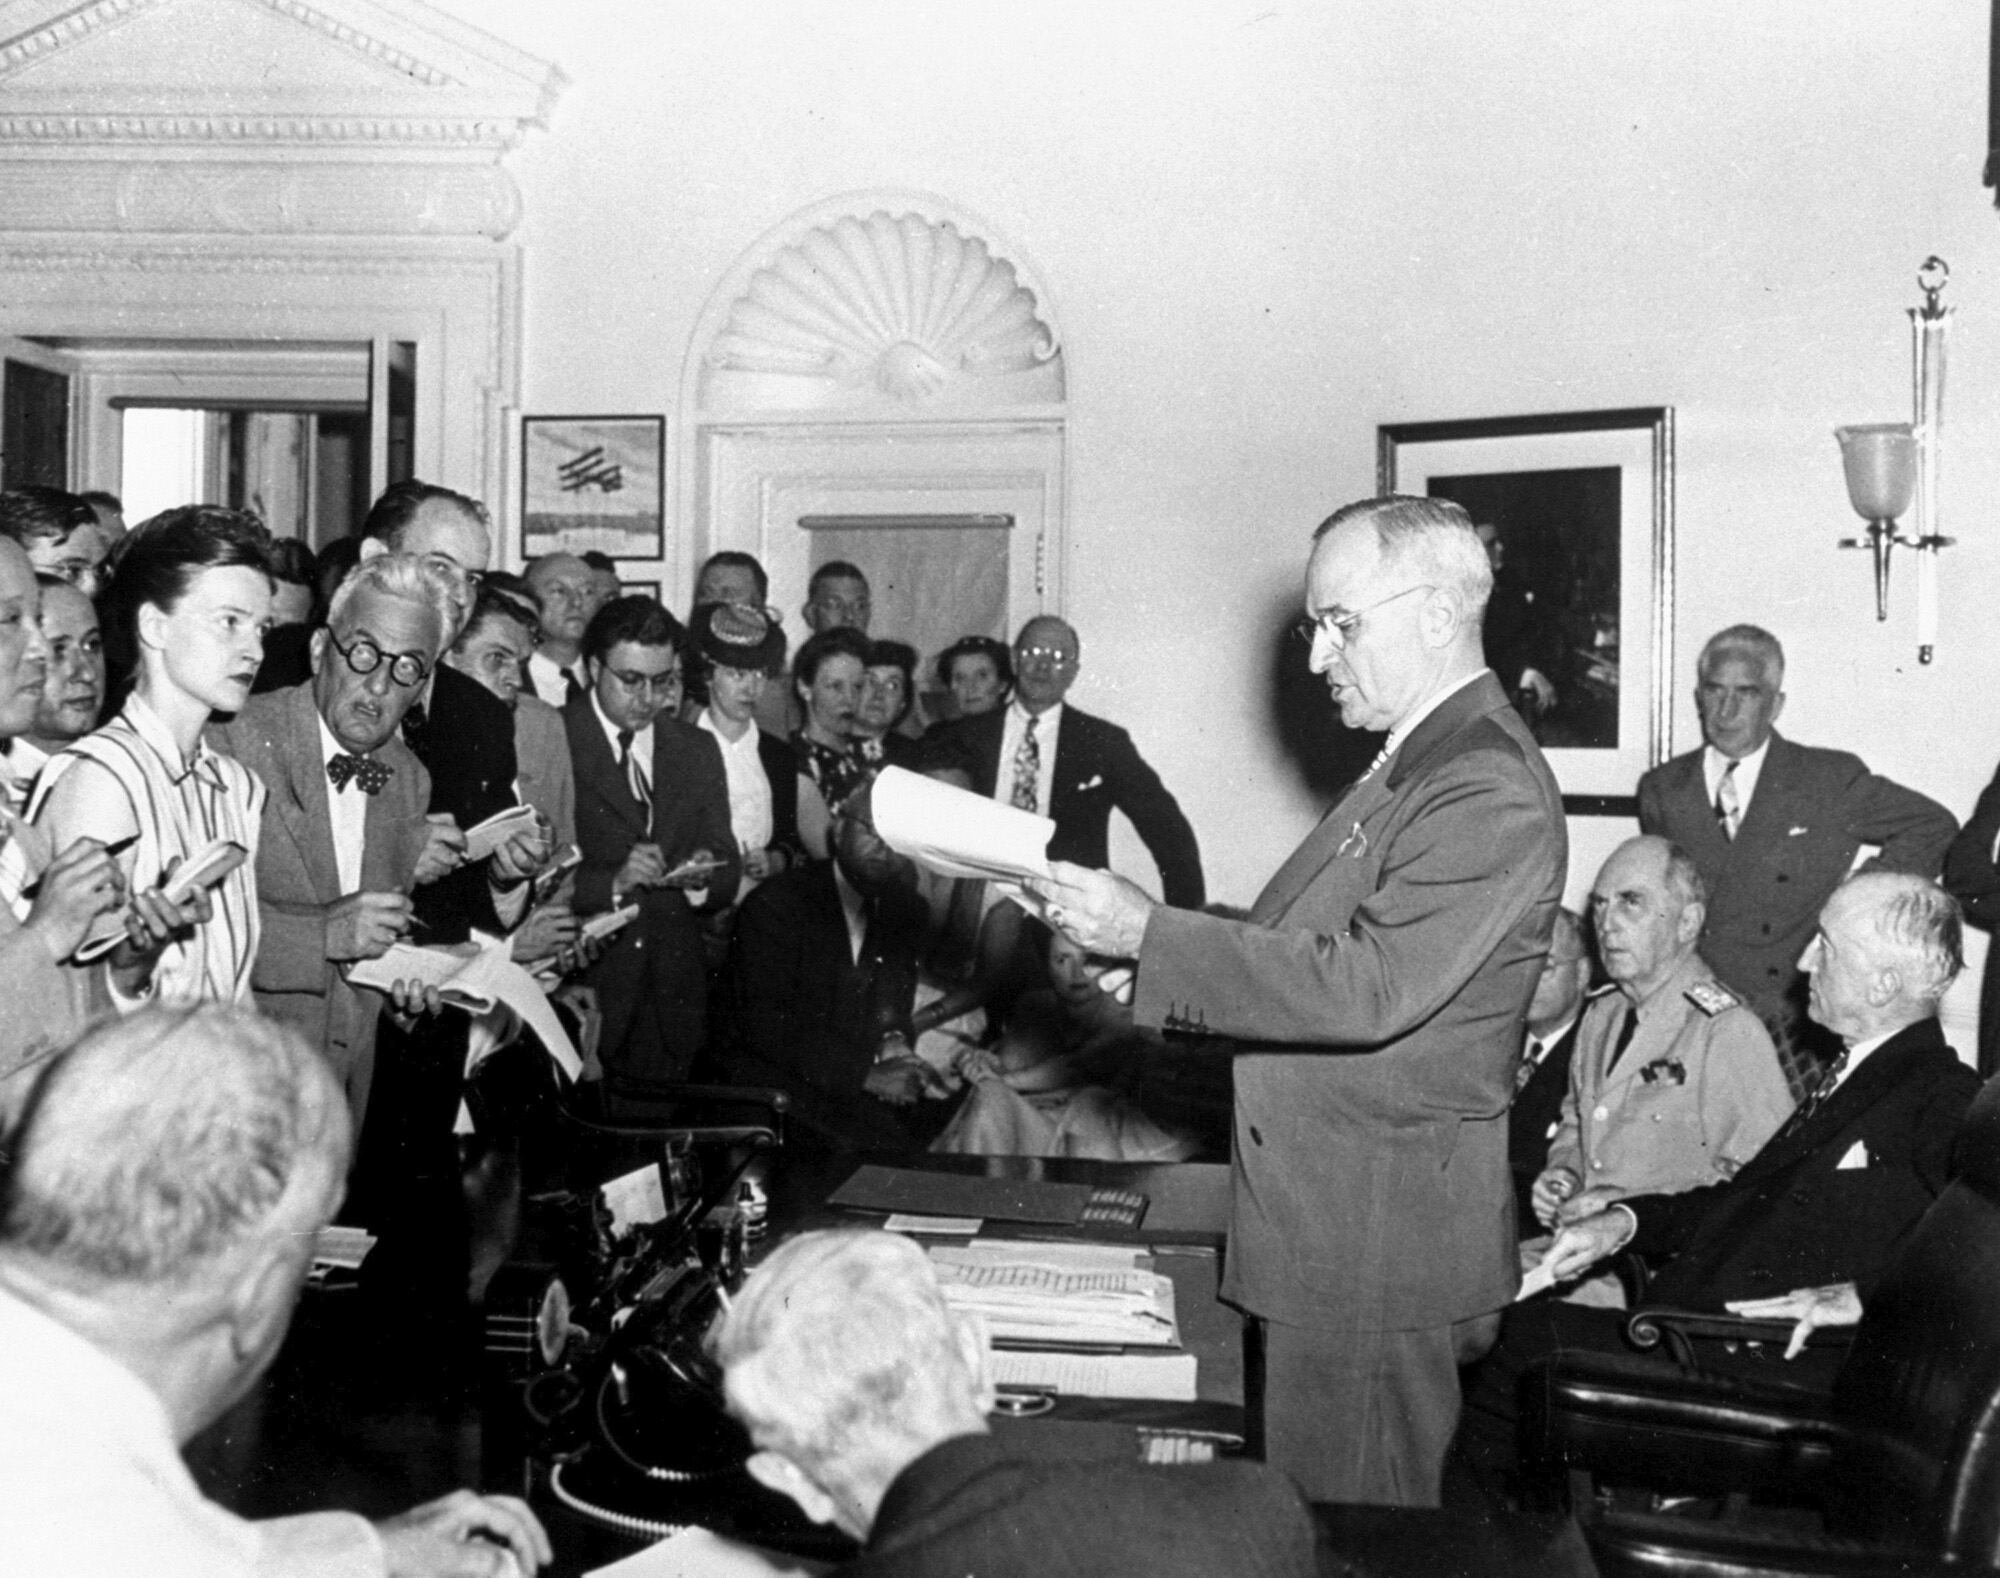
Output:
x=1728 y=807
x=635 y=780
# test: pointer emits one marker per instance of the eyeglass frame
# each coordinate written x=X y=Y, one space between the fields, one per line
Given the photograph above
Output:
x=1054 y=656
x=394 y=658
x=1339 y=628
x=659 y=684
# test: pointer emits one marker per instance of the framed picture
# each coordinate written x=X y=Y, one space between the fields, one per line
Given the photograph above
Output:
x=640 y=589
x=593 y=483
x=1577 y=510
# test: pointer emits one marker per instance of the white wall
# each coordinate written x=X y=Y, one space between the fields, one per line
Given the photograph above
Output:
x=1268 y=229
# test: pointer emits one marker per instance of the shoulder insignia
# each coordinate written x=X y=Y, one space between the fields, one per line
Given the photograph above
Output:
x=1712 y=997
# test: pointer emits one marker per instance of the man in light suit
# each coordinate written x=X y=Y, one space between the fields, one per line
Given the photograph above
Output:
x=652 y=820
x=1773 y=827
x=1076 y=769
x=344 y=826
x=1675 y=1083
x=1804 y=1230
x=1375 y=997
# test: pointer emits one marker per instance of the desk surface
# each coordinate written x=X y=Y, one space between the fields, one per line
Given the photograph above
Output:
x=342 y=1421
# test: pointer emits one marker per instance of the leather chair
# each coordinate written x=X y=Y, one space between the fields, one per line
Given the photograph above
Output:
x=1901 y=1460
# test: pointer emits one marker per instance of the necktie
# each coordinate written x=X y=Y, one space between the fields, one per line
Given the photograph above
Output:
x=1728 y=808
x=634 y=779
x=1816 y=1097
x=368 y=774
x=572 y=686
x=1625 y=1033
x=1027 y=770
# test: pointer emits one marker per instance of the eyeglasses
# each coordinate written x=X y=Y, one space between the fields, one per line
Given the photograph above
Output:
x=1338 y=628
x=1056 y=657
x=642 y=684
x=365 y=657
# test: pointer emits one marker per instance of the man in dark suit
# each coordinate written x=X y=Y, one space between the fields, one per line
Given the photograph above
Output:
x=1542 y=1080
x=825 y=974
x=1376 y=997
x=865 y=1397
x=1076 y=769
x=1972 y=873
x=1805 y=1228
x=1773 y=827
x=652 y=820
x=344 y=825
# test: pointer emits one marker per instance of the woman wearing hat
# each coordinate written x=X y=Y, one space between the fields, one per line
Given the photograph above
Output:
x=738 y=644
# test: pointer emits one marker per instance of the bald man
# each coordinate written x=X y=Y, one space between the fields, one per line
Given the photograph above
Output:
x=1046 y=756
x=568 y=594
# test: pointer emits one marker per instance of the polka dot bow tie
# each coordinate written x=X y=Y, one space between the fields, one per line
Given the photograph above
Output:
x=368 y=774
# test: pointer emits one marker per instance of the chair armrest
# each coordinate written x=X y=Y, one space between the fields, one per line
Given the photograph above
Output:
x=674 y=1098
x=1632 y=1546
x=1646 y=1328
x=1636 y=1421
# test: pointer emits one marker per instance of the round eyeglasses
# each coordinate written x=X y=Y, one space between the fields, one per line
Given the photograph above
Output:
x=363 y=656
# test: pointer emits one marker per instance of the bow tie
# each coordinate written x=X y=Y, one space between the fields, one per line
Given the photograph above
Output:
x=368 y=774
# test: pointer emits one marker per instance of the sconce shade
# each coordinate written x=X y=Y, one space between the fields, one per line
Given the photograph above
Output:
x=1881 y=463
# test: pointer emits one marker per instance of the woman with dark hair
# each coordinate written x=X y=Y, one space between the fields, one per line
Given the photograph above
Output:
x=827 y=674
x=888 y=691
x=295 y=582
x=736 y=644
x=189 y=603
x=979 y=673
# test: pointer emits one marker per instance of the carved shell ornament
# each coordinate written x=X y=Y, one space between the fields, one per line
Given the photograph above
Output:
x=900 y=302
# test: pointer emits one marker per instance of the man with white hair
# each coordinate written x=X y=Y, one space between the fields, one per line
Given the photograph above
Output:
x=1803 y=1231
x=1375 y=999
x=344 y=834
x=865 y=1397
x=161 y=1196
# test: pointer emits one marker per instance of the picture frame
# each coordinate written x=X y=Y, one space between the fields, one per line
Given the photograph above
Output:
x=641 y=589
x=1582 y=503
x=594 y=483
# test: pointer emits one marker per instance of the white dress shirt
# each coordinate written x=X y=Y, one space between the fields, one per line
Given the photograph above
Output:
x=546 y=676
x=751 y=818
x=95 y=1485
x=348 y=808
x=1748 y=769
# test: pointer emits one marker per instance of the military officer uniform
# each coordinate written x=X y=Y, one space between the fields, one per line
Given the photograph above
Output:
x=1692 y=1095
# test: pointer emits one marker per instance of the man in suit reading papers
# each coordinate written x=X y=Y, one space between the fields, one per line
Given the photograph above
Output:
x=1375 y=998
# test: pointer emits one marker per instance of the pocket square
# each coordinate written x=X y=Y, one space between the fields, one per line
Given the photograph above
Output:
x=1090 y=784
x=1856 y=1158
x=1798 y=832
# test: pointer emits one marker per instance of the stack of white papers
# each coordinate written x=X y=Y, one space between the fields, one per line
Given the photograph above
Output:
x=1026 y=1294
x=957 y=833
x=474 y=977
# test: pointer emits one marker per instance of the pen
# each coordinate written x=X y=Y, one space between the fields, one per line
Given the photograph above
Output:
x=118 y=848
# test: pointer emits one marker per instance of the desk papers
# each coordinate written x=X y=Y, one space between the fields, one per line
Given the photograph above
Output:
x=957 y=833
x=476 y=978
x=696 y=1552
x=1027 y=1296
x=1148 y=1377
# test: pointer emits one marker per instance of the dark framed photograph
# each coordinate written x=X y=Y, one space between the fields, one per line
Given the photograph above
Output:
x=1577 y=512
x=640 y=589
x=593 y=484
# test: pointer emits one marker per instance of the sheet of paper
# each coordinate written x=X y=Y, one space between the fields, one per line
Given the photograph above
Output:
x=1159 y=1377
x=474 y=979
x=1539 y=1280
x=610 y=923
x=941 y=1226
x=336 y=1245
x=637 y=1197
x=485 y=837
x=696 y=1552
x=957 y=833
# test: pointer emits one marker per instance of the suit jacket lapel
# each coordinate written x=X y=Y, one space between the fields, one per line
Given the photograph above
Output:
x=598 y=767
x=1881 y=1069
x=1770 y=806
x=304 y=808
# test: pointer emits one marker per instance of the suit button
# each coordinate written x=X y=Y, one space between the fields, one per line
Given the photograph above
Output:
x=1256 y=1135
x=1767 y=928
x=1783 y=878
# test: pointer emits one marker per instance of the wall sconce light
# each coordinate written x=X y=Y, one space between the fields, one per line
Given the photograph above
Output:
x=1891 y=464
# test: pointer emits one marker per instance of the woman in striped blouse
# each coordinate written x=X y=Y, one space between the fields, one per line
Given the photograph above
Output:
x=185 y=611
